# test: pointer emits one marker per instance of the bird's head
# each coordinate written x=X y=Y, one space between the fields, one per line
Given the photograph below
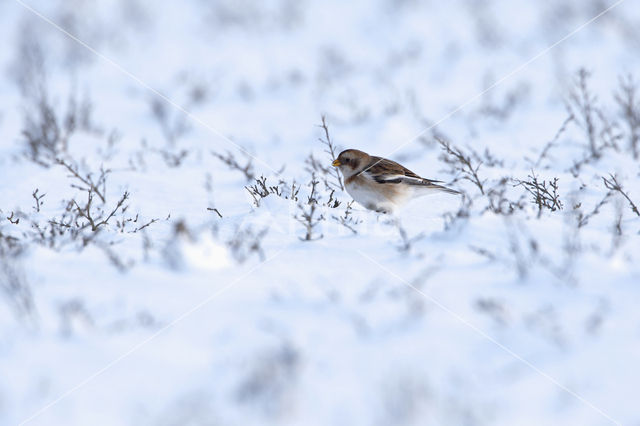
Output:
x=351 y=161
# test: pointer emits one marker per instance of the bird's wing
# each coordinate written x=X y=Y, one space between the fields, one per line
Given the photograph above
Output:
x=382 y=170
x=386 y=171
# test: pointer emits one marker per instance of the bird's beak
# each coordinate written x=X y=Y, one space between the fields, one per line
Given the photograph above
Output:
x=336 y=163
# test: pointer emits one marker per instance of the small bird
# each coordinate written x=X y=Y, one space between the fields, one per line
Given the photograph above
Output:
x=380 y=184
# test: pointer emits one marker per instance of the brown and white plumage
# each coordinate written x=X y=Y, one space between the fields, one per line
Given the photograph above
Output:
x=380 y=184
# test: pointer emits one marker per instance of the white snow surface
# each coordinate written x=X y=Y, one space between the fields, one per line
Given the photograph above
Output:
x=234 y=318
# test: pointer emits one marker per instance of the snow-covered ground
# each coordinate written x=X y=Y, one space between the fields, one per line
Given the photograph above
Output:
x=177 y=265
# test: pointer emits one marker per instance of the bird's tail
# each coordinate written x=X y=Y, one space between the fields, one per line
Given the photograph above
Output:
x=441 y=188
x=448 y=190
x=432 y=185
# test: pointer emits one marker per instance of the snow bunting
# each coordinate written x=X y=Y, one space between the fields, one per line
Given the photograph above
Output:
x=380 y=184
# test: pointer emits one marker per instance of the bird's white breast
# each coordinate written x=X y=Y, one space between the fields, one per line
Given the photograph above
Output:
x=373 y=195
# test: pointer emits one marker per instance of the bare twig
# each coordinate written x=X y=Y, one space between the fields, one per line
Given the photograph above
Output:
x=97 y=187
x=347 y=219
x=233 y=164
x=38 y=200
x=462 y=163
x=215 y=210
x=552 y=142
x=613 y=185
x=14 y=220
x=308 y=218
x=87 y=213
x=545 y=194
x=584 y=101
x=140 y=228
x=331 y=151
x=260 y=189
x=172 y=159
x=583 y=219
x=628 y=101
